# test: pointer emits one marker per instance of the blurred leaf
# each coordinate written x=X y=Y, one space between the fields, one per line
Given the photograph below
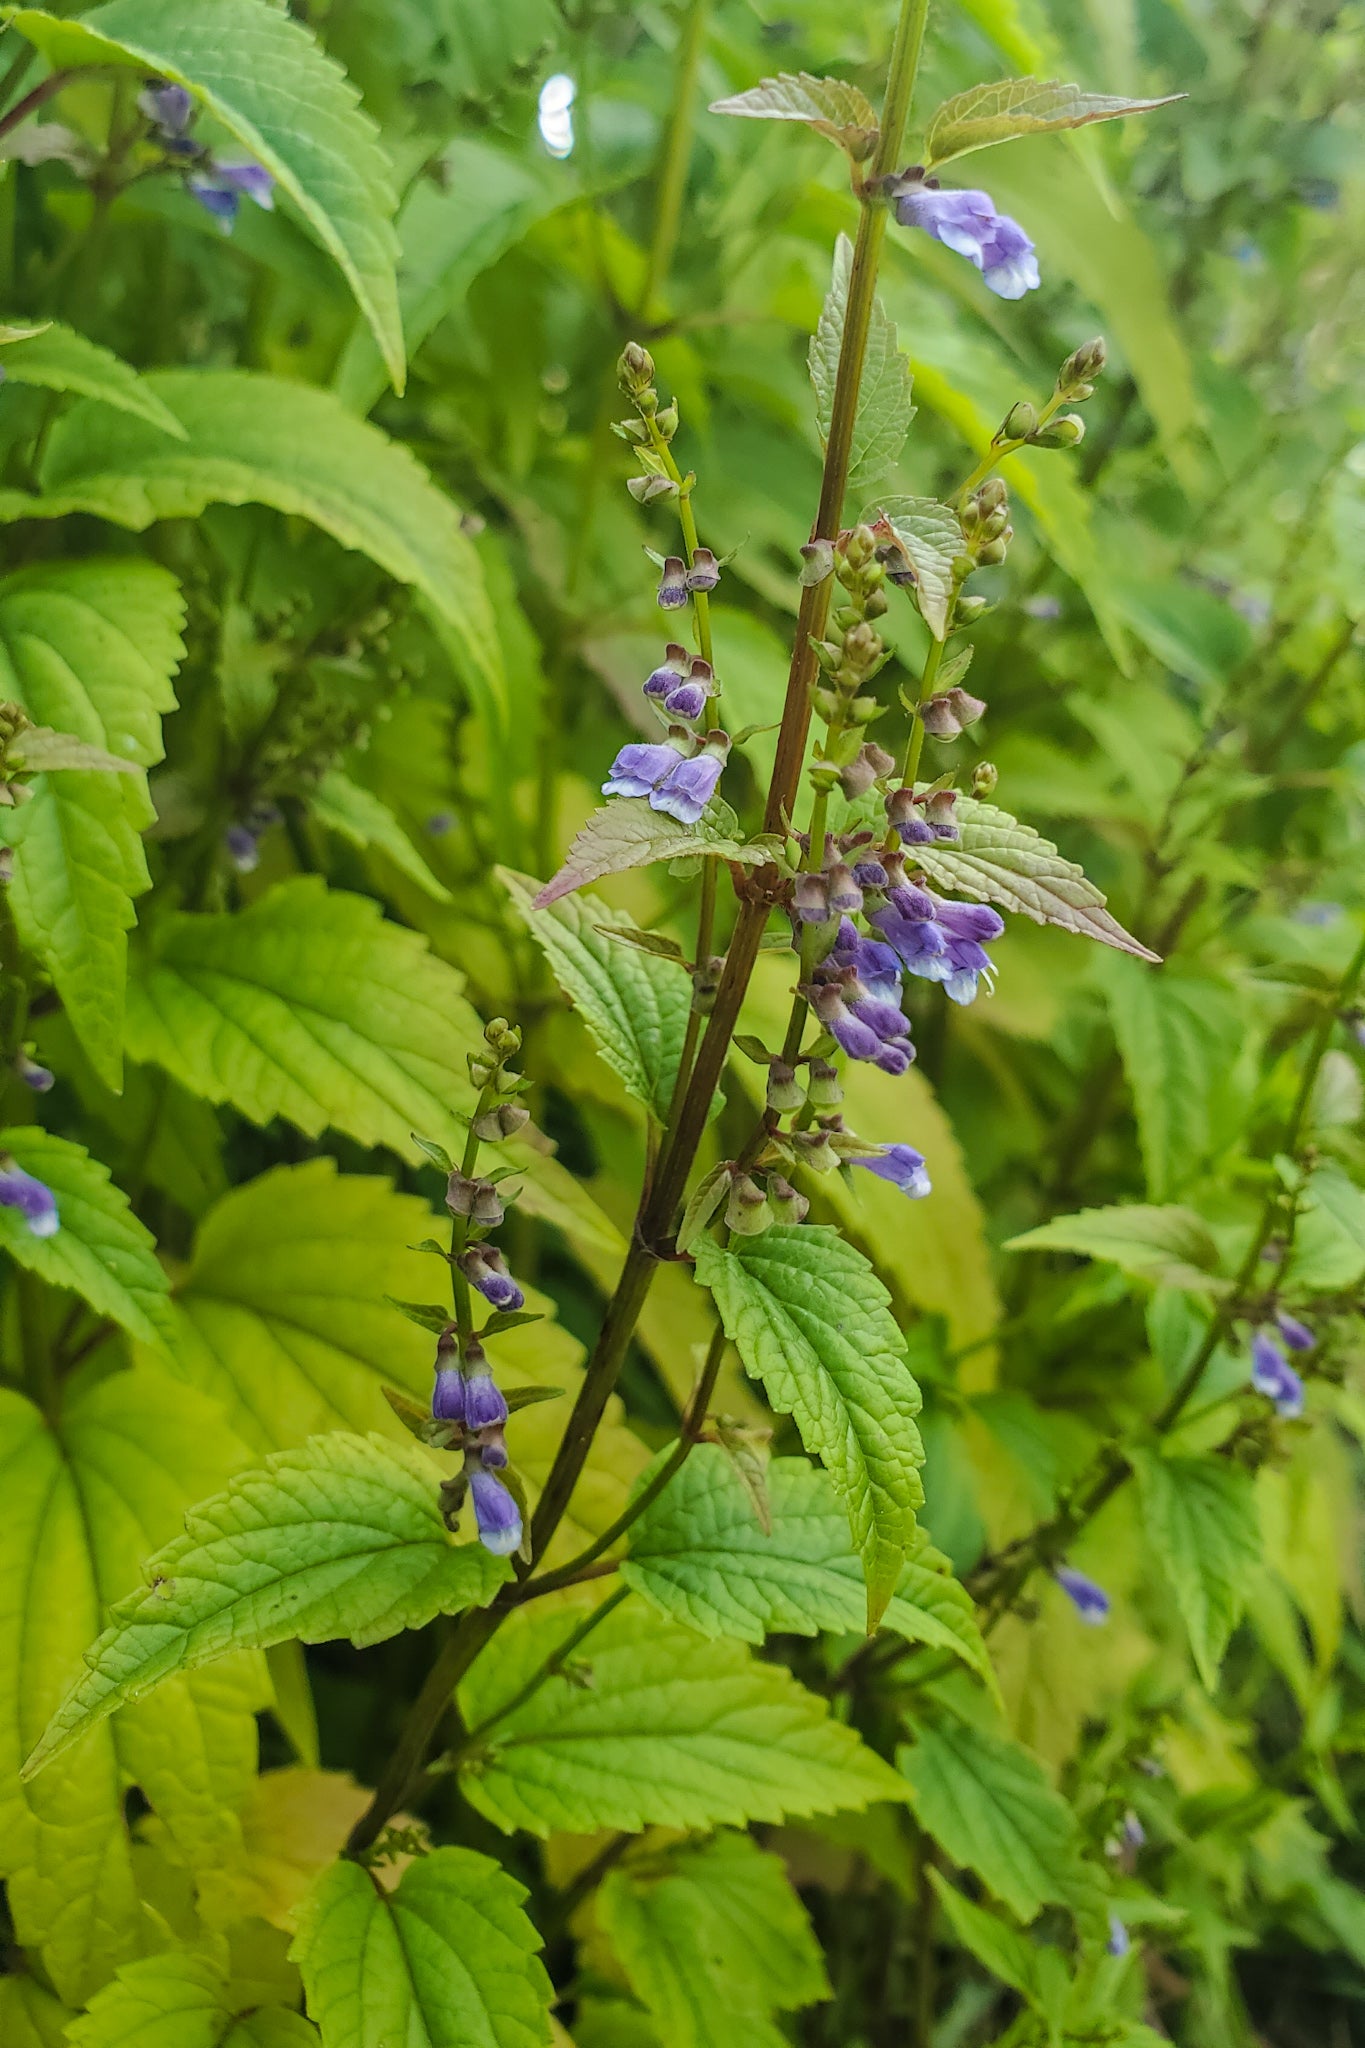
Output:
x=448 y=1956
x=884 y=409
x=31 y=2017
x=671 y=1729
x=100 y=1250
x=56 y=358
x=183 y=1998
x=1180 y=1036
x=1200 y=1516
x=342 y=1537
x=356 y=814
x=1170 y=1244
x=809 y=1318
x=1002 y=112
x=283 y=98
x=635 y=1003
x=1038 y=1972
x=714 y=1939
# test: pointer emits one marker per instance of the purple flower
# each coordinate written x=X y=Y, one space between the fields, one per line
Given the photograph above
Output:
x=1119 y=1941
x=439 y=823
x=670 y=672
x=495 y=1511
x=673 y=584
x=39 y=1079
x=968 y=223
x=1091 y=1601
x=242 y=848
x=170 y=108
x=904 y=1167
x=870 y=874
x=447 y=1402
x=35 y=1202
x=1296 y=1335
x=639 y=767
x=810 y=899
x=705 y=571
x=1133 y=1832
x=845 y=891
x=941 y=941
x=1273 y=1376
x=220 y=189
x=867 y=1025
x=485 y=1268
x=688 y=788
x=687 y=699
x=484 y=1407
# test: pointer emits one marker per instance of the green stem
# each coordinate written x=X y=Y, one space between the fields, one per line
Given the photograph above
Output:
x=672 y=180
x=550 y=1668
x=914 y=746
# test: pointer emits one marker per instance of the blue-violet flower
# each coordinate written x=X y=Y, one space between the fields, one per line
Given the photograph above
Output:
x=34 y=1201
x=968 y=223
x=1273 y=1376
x=1091 y=1601
x=495 y=1511
x=485 y=1268
x=904 y=1167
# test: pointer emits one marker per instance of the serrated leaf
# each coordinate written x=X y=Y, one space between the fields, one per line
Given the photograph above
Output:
x=1170 y=1244
x=356 y=814
x=669 y=1730
x=714 y=1941
x=1180 y=1036
x=1012 y=107
x=1031 y=1969
x=308 y=1005
x=884 y=409
x=1199 y=1514
x=280 y=95
x=183 y=2000
x=88 y=649
x=449 y=1957
x=628 y=834
x=810 y=1318
x=38 y=749
x=57 y=358
x=930 y=540
x=282 y=1315
x=990 y=1807
x=998 y=860
x=635 y=1003
x=88 y=1492
x=342 y=1537
x=830 y=106
x=257 y=440
x=700 y=1555
x=100 y=1251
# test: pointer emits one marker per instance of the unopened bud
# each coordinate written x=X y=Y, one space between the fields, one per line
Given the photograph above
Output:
x=867 y=767
x=1019 y=422
x=994 y=551
x=785 y=1092
x=969 y=609
x=859 y=547
x=817 y=561
x=666 y=420
x=862 y=644
x=939 y=719
x=748 y=1212
x=646 y=489
x=825 y=1088
x=635 y=369
x=985 y=776
x=992 y=495
x=787 y=1205
x=504 y=1120
x=1082 y=366
x=1066 y=431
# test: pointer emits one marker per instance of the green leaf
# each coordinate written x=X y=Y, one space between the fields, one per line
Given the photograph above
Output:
x=282 y=1314
x=700 y=1555
x=38 y=750
x=1180 y=1036
x=279 y=94
x=714 y=1942
x=1002 y=112
x=182 y=2000
x=884 y=408
x=809 y=1318
x=669 y=1730
x=989 y=1806
x=448 y=1959
x=1037 y=1972
x=358 y=815
x=831 y=106
x=88 y=1492
x=89 y=649
x=930 y=539
x=29 y=2016
x=635 y=1003
x=342 y=1537
x=1199 y=1514
x=998 y=860
x=311 y=1006
x=258 y=440
x=1342 y=1202
x=628 y=834
x=100 y=1251
x=56 y=358
x=1170 y=1245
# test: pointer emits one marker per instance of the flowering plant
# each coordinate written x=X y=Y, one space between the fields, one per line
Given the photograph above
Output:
x=681 y=1186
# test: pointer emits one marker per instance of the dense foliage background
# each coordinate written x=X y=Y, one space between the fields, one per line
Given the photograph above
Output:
x=361 y=643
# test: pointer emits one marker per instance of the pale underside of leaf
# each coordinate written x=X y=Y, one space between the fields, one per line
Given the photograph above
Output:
x=929 y=537
x=998 y=860
x=628 y=834
x=1013 y=107
x=1169 y=1244
x=828 y=105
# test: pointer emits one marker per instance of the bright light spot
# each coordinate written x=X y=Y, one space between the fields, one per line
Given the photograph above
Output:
x=556 y=120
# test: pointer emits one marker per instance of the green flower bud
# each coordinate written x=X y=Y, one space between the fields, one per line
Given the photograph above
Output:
x=635 y=369
x=985 y=775
x=1064 y=432
x=1019 y=422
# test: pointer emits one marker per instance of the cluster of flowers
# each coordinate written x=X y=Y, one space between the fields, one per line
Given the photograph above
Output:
x=218 y=183
x=677 y=775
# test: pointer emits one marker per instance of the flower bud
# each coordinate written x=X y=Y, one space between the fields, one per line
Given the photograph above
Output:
x=787 y=1205
x=486 y=1209
x=939 y=720
x=985 y=776
x=1082 y=366
x=862 y=644
x=635 y=369
x=940 y=812
x=994 y=551
x=817 y=561
x=1066 y=431
x=810 y=899
x=1019 y=422
x=645 y=489
x=969 y=609
x=748 y=1212
x=859 y=547
x=785 y=1092
x=39 y=1079
x=867 y=767
x=666 y=420
x=705 y=571
x=993 y=495
x=504 y=1120
x=825 y=1089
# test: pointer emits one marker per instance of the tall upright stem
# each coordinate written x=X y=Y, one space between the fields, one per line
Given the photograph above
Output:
x=676 y=154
